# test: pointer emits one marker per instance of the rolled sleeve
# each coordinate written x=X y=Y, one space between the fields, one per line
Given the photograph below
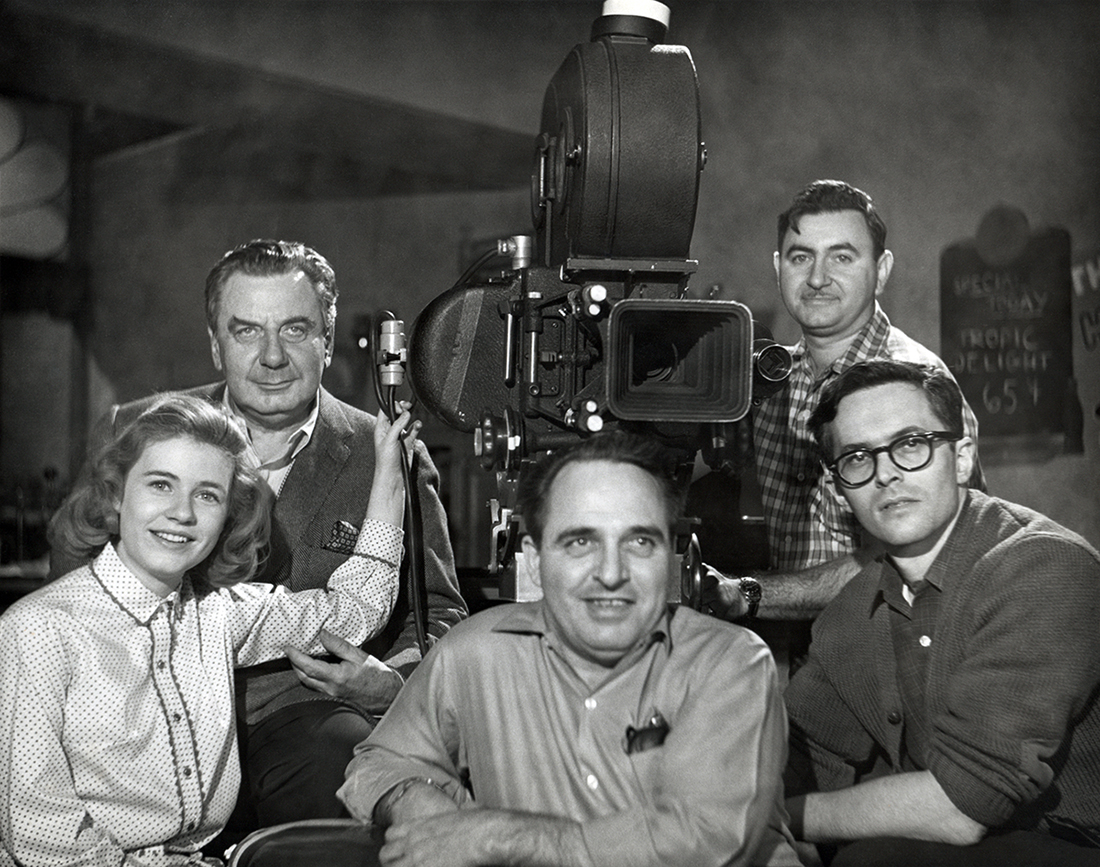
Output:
x=1029 y=670
x=417 y=737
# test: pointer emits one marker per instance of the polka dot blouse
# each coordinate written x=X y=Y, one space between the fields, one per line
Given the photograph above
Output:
x=117 y=740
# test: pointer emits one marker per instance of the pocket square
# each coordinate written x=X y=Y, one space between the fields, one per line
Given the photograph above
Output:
x=343 y=538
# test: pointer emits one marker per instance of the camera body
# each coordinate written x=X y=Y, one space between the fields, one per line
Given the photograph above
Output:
x=587 y=324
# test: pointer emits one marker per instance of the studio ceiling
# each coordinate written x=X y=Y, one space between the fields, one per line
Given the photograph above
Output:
x=234 y=133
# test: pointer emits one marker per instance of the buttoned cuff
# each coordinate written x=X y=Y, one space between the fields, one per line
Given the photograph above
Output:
x=380 y=541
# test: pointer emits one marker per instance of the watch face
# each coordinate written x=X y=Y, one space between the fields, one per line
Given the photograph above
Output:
x=750 y=589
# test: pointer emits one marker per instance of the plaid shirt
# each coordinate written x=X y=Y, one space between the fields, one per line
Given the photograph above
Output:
x=808 y=521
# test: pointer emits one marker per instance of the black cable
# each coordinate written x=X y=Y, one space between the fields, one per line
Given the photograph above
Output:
x=418 y=591
x=475 y=266
x=387 y=403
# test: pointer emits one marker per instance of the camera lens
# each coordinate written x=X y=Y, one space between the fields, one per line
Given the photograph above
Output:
x=772 y=362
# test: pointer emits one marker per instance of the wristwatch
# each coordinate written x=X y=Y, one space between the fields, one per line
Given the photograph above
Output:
x=751 y=590
x=381 y=815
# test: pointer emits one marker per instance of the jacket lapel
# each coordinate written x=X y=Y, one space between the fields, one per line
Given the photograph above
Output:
x=309 y=483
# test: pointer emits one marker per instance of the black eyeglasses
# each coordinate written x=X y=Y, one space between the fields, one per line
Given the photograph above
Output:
x=910 y=452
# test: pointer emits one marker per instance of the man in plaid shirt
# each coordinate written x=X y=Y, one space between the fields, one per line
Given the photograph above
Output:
x=831 y=265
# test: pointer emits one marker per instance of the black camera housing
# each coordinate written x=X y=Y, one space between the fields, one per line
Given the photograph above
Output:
x=589 y=327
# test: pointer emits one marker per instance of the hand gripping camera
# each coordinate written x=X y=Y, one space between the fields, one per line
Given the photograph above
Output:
x=587 y=326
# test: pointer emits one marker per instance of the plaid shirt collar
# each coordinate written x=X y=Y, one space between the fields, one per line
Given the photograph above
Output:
x=869 y=342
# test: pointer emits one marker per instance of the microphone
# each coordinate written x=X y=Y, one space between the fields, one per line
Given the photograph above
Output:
x=392 y=354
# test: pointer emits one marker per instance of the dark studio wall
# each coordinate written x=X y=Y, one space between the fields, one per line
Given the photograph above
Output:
x=939 y=110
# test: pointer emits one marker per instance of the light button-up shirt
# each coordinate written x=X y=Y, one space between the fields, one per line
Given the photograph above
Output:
x=117 y=737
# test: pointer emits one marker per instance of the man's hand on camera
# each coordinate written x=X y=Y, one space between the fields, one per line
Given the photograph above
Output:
x=360 y=679
x=721 y=596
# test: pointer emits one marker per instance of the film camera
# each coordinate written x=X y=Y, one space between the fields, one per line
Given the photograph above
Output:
x=588 y=326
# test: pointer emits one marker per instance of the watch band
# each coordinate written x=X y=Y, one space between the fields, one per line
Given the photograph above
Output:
x=381 y=813
x=750 y=588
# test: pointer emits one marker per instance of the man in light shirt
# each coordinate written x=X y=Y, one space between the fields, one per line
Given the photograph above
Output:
x=597 y=726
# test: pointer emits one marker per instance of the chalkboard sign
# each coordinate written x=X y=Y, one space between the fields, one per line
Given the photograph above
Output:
x=1006 y=326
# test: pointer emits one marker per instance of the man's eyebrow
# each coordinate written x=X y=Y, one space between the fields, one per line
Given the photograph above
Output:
x=861 y=446
x=635 y=530
x=293 y=320
x=802 y=248
x=573 y=533
x=648 y=530
x=298 y=320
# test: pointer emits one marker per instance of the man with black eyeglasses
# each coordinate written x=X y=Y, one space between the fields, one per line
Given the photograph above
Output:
x=949 y=710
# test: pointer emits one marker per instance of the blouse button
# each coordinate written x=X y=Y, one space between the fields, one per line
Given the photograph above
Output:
x=925 y=641
x=893 y=717
x=161 y=665
x=592 y=782
x=590 y=703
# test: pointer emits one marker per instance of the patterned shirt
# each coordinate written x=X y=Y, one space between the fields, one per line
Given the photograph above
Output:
x=808 y=520
x=116 y=705
x=913 y=620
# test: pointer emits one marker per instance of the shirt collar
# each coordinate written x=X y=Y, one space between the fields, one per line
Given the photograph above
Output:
x=943 y=571
x=530 y=618
x=889 y=588
x=939 y=574
x=122 y=585
x=870 y=342
x=296 y=441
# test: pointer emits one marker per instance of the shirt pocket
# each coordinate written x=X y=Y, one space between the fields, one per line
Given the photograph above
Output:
x=647 y=766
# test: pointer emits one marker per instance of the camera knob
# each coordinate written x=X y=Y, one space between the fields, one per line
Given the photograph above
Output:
x=589 y=418
x=594 y=299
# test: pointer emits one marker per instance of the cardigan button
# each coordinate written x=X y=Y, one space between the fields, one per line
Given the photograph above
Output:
x=893 y=717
